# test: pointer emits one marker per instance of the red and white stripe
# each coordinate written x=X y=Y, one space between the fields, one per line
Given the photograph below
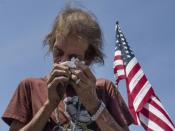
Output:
x=143 y=104
x=139 y=87
x=153 y=116
x=119 y=68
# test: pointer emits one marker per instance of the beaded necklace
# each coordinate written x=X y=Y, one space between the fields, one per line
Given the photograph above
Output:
x=71 y=126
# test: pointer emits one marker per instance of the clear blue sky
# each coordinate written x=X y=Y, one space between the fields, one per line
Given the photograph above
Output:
x=148 y=26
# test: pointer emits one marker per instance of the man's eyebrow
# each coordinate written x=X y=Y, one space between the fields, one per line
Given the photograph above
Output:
x=58 y=49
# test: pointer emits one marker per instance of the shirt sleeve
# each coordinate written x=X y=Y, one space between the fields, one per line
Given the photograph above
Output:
x=117 y=106
x=19 y=105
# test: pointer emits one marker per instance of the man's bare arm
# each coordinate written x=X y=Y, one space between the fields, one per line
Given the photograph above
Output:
x=38 y=121
x=16 y=125
x=107 y=123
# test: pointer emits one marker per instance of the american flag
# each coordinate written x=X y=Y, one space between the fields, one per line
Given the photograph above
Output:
x=144 y=105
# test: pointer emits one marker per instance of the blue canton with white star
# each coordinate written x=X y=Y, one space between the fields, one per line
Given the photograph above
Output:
x=122 y=45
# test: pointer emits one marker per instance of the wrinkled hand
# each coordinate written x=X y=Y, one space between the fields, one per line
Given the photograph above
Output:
x=57 y=82
x=86 y=87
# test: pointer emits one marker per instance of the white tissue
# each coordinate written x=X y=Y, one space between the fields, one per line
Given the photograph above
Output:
x=72 y=62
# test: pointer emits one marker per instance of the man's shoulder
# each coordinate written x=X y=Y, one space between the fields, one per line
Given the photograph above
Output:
x=103 y=82
x=32 y=82
x=105 y=85
x=33 y=79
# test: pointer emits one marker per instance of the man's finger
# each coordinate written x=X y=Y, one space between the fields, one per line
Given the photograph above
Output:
x=87 y=71
x=58 y=80
x=57 y=73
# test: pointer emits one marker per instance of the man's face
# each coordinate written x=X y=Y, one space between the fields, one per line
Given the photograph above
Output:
x=71 y=47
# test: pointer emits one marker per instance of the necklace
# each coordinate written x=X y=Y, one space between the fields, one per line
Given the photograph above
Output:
x=56 y=112
x=71 y=126
x=58 y=127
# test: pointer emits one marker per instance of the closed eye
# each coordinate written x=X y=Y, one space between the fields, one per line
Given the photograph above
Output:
x=75 y=56
x=58 y=52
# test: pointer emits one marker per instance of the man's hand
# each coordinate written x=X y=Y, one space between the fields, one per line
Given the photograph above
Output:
x=57 y=82
x=85 y=87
